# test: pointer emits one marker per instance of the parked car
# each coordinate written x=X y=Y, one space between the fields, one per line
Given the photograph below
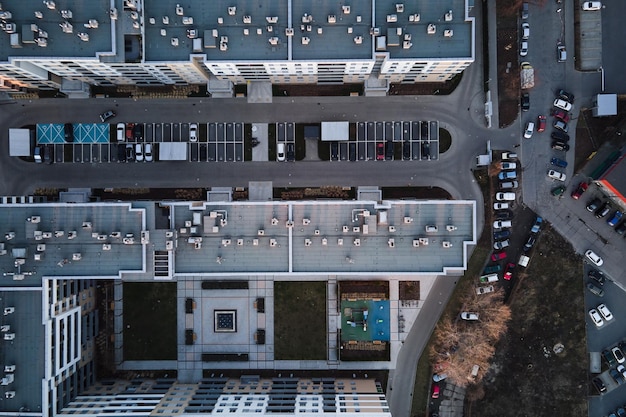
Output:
x=508 y=165
x=435 y=393
x=593 y=205
x=193 y=132
x=498 y=256
x=621 y=369
x=139 y=152
x=508 y=271
x=557 y=191
x=129 y=130
x=541 y=123
x=380 y=151
x=68 y=130
x=560 y=136
x=501 y=224
x=280 y=151
x=505 y=196
x=507 y=175
x=617 y=352
x=561 y=125
x=501 y=244
x=121 y=132
x=536 y=228
x=523 y=49
x=558 y=162
x=565 y=95
x=617 y=376
x=530 y=128
x=525 y=10
x=556 y=175
x=561 y=53
x=594 y=257
x=491 y=269
x=597 y=276
x=121 y=152
x=509 y=156
x=592 y=5
x=138 y=132
x=582 y=187
x=621 y=228
x=607 y=315
x=525 y=102
x=130 y=153
x=597 y=382
x=389 y=150
x=615 y=218
x=501 y=234
x=334 y=151
x=562 y=104
x=525 y=30
x=508 y=185
x=604 y=210
x=107 y=115
x=291 y=153
x=500 y=206
x=560 y=146
x=425 y=150
x=439 y=377
x=148 y=152
x=466 y=315
x=609 y=358
x=595 y=317
x=561 y=115
x=484 y=290
x=595 y=290
x=406 y=150
x=503 y=215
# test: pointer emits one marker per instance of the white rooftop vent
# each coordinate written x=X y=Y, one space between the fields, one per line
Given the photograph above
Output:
x=260 y=232
x=187 y=20
x=317 y=232
x=43 y=34
x=416 y=243
x=9 y=394
x=134 y=15
x=255 y=242
x=259 y=31
x=66 y=14
x=220 y=20
x=225 y=242
x=448 y=16
x=106 y=246
x=289 y=223
x=272 y=19
x=67 y=27
x=50 y=4
x=451 y=228
x=113 y=14
x=246 y=31
x=270 y=28
x=324 y=241
x=307 y=18
x=166 y=20
x=392 y=18
x=408 y=220
x=392 y=229
x=9 y=310
x=431 y=228
x=9 y=236
x=406 y=44
x=446 y=244
x=92 y=24
x=274 y=221
x=306 y=221
x=174 y=41
x=152 y=21
x=350 y=29
x=232 y=10
x=448 y=33
x=391 y=242
x=192 y=33
x=239 y=242
x=289 y=31
x=407 y=36
x=340 y=242
x=432 y=29
x=38 y=15
x=179 y=10
x=332 y=18
x=345 y=9
x=399 y=7
x=273 y=243
x=224 y=39
x=163 y=32
x=223 y=46
x=375 y=31
x=357 y=242
x=358 y=18
x=320 y=30
x=307 y=242
x=77 y=256
x=346 y=229
x=247 y=19
x=358 y=40
x=415 y=17
x=71 y=234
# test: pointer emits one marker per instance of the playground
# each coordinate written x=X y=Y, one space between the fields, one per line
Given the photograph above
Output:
x=365 y=320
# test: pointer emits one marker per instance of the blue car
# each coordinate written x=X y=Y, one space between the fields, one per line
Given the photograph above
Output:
x=615 y=218
x=558 y=162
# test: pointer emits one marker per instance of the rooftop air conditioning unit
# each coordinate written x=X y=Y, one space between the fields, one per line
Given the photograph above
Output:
x=289 y=223
x=358 y=40
x=247 y=19
x=332 y=18
x=261 y=232
x=307 y=242
x=392 y=18
x=448 y=33
x=273 y=243
x=232 y=10
x=345 y=9
x=273 y=40
x=179 y=10
x=448 y=16
x=432 y=29
x=289 y=31
x=272 y=19
x=415 y=17
x=399 y=7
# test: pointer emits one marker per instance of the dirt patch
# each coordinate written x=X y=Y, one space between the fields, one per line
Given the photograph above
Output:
x=409 y=290
x=507 y=12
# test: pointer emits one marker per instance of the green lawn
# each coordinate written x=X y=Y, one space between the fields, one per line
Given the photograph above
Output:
x=300 y=320
x=149 y=321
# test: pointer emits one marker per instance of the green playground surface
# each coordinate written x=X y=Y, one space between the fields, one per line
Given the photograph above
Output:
x=365 y=320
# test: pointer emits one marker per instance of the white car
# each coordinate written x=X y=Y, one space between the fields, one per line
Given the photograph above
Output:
x=502 y=244
x=606 y=313
x=595 y=317
x=525 y=30
x=508 y=165
x=505 y=196
x=466 y=315
x=594 y=258
x=556 y=175
x=500 y=224
x=592 y=5
x=523 y=50
x=484 y=290
x=562 y=104
x=148 y=152
x=280 y=152
x=500 y=206
x=193 y=132
x=622 y=370
x=509 y=155
x=121 y=132
x=138 y=152
x=530 y=128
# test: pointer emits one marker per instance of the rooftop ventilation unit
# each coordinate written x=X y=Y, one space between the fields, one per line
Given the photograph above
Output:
x=324 y=241
x=274 y=221
x=83 y=36
x=307 y=18
x=166 y=20
x=272 y=19
x=232 y=10
x=320 y=31
x=273 y=243
x=247 y=19
x=134 y=15
x=448 y=16
x=392 y=18
x=399 y=7
x=273 y=40
x=289 y=31
x=223 y=46
x=289 y=223
x=220 y=20
x=179 y=10
x=174 y=41
x=408 y=220
x=340 y=242
x=358 y=40
x=332 y=18
x=345 y=9
x=187 y=20
x=415 y=17
x=307 y=242
x=391 y=242
x=358 y=18
x=448 y=33
x=66 y=14
x=446 y=244
x=375 y=31
x=406 y=44
x=350 y=29
x=246 y=31
x=51 y=5
x=432 y=29
x=306 y=222
x=261 y=232
x=113 y=14
x=357 y=242
x=270 y=28
x=67 y=27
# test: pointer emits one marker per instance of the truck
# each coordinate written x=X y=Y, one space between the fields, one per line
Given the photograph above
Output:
x=527 y=74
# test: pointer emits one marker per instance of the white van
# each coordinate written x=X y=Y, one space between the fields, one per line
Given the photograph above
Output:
x=523 y=261
x=280 y=151
x=121 y=132
x=489 y=278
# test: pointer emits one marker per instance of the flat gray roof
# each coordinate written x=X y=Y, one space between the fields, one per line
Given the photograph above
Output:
x=60 y=44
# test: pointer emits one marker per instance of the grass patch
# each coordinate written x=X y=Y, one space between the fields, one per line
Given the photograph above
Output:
x=149 y=321
x=300 y=320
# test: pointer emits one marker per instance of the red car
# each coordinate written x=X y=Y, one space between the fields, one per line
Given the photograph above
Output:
x=495 y=257
x=541 y=123
x=380 y=151
x=582 y=187
x=508 y=271
x=435 y=391
x=562 y=115
x=129 y=130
